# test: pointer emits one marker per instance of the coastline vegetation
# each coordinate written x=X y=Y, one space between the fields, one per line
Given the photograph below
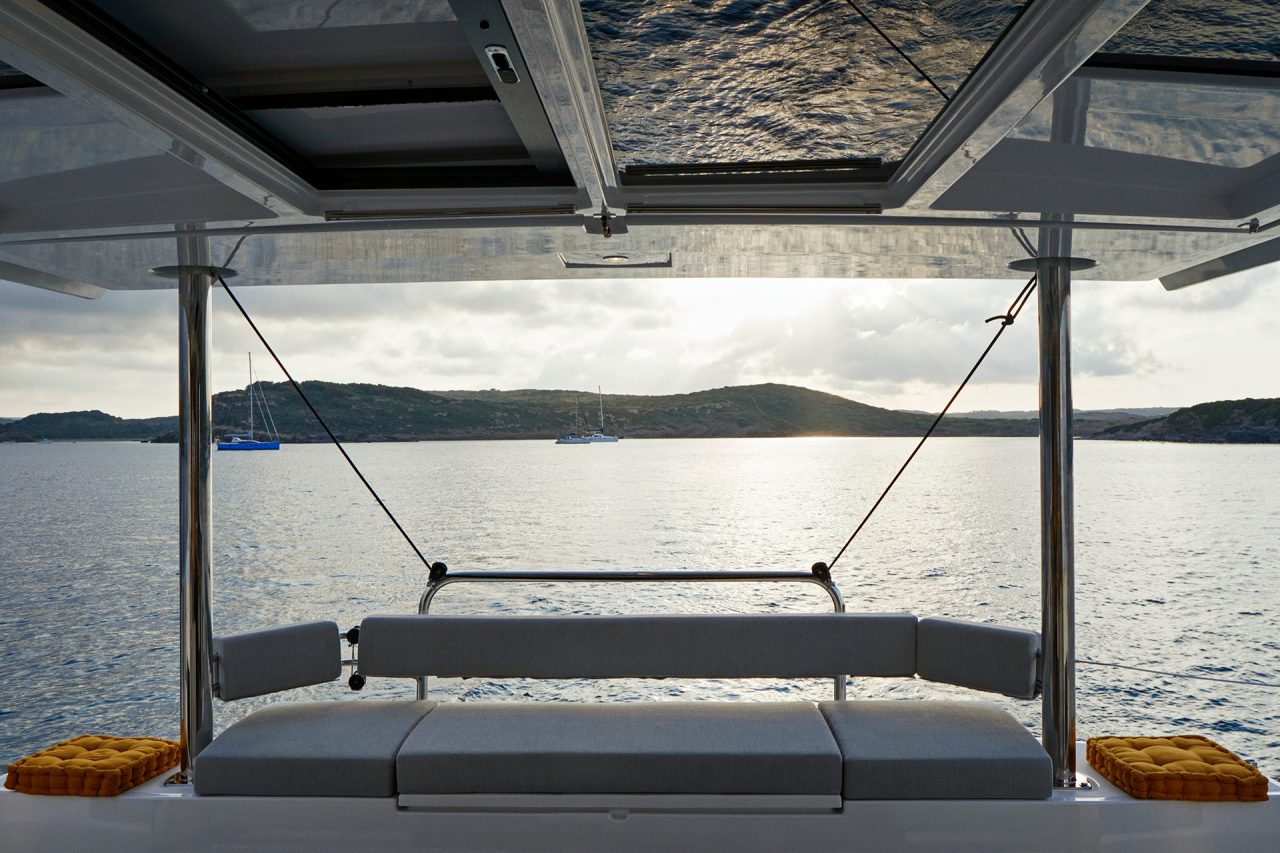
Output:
x=364 y=412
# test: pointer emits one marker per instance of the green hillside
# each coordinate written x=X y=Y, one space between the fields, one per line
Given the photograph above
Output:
x=363 y=412
x=95 y=425
x=1225 y=422
x=381 y=413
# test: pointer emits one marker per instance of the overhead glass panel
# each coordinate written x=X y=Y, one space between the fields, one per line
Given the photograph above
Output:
x=738 y=81
x=1218 y=125
x=43 y=133
x=1198 y=29
x=341 y=92
x=391 y=135
x=64 y=166
x=255 y=47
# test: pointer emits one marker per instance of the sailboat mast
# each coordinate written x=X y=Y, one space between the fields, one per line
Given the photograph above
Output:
x=250 y=396
x=600 y=394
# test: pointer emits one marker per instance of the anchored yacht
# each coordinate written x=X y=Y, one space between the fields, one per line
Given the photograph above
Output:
x=247 y=441
x=595 y=436
x=151 y=144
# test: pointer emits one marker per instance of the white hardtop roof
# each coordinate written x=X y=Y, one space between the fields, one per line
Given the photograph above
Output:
x=498 y=140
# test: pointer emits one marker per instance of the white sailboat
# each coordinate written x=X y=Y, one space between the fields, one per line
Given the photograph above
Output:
x=598 y=436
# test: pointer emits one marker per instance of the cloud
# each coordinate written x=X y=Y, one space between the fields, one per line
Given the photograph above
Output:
x=902 y=343
x=928 y=333
x=1226 y=294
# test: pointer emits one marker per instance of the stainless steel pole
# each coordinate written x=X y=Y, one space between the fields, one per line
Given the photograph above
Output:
x=1057 y=528
x=195 y=437
x=1054 y=266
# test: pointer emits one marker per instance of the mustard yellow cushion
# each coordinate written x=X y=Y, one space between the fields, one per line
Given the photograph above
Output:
x=1185 y=767
x=92 y=766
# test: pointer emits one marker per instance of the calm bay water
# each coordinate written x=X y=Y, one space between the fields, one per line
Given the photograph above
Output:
x=1178 y=558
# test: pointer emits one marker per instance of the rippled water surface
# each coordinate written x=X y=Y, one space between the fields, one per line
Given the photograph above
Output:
x=768 y=80
x=1178 y=560
x=761 y=80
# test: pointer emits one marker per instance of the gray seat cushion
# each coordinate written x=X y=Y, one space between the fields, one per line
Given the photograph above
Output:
x=310 y=749
x=632 y=748
x=926 y=750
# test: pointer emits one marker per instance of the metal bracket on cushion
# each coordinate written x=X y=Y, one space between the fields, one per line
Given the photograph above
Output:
x=355 y=681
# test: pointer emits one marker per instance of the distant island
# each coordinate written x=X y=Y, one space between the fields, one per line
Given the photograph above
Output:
x=363 y=412
x=1227 y=422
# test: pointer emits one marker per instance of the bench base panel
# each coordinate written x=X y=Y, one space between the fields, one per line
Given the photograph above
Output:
x=154 y=818
x=717 y=803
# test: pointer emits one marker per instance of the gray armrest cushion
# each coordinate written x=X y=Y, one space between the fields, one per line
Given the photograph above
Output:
x=983 y=657
x=274 y=659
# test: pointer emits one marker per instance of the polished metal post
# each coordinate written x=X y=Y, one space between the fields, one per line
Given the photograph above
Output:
x=195 y=438
x=1057 y=531
x=1053 y=266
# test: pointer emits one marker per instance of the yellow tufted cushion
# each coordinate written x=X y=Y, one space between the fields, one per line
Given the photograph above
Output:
x=92 y=766
x=1186 y=767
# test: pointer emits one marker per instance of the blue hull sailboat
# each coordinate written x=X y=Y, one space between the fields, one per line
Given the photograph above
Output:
x=240 y=442
x=246 y=441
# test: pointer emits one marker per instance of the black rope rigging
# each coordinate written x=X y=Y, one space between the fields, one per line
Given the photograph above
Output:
x=1006 y=320
x=323 y=425
x=1025 y=242
x=1240 y=681
x=889 y=41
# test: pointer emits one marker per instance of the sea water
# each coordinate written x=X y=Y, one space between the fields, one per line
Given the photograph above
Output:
x=1177 y=557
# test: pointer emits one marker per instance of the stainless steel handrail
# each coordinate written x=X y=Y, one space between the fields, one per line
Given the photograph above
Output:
x=819 y=575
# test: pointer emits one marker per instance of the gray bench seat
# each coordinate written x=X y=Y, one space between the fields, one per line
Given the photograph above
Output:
x=489 y=754
x=927 y=750
x=310 y=749
x=775 y=748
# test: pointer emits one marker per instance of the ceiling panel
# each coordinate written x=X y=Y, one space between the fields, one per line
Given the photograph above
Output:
x=336 y=87
x=482 y=252
x=63 y=166
x=1196 y=118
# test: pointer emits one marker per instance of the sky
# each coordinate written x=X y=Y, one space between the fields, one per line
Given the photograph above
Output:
x=897 y=344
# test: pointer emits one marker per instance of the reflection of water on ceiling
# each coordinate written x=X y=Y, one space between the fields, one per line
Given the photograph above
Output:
x=1203 y=29
x=1219 y=125
x=42 y=133
x=780 y=79
x=713 y=250
x=276 y=15
x=63 y=165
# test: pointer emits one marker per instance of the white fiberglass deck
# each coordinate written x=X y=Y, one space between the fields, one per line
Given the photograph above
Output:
x=153 y=817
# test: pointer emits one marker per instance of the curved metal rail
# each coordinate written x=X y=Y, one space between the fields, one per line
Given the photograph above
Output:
x=819 y=575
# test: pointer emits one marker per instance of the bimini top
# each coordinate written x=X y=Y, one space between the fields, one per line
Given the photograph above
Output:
x=425 y=140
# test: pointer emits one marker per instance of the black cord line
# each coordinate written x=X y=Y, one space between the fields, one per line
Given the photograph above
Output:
x=235 y=248
x=900 y=51
x=1088 y=662
x=323 y=425
x=1006 y=320
x=1025 y=242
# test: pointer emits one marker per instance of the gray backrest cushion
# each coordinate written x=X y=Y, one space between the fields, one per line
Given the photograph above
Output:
x=273 y=659
x=984 y=657
x=719 y=646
